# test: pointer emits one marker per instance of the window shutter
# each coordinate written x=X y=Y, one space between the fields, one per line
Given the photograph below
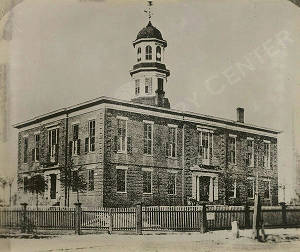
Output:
x=37 y=154
x=49 y=154
x=129 y=145
x=86 y=145
x=78 y=146
x=57 y=135
x=167 y=149
x=33 y=154
x=115 y=145
x=70 y=148
x=56 y=153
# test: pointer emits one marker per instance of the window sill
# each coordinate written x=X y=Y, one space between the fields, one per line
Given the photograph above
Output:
x=122 y=152
x=173 y=158
x=147 y=193
x=121 y=192
x=148 y=155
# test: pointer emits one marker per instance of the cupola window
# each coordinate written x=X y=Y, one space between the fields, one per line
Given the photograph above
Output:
x=148 y=85
x=158 y=53
x=139 y=56
x=148 y=52
x=137 y=87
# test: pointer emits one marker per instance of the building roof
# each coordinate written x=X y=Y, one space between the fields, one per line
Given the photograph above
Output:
x=184 y=115
x=149 y=32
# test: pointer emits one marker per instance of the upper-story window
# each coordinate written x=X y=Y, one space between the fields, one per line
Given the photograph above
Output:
x=148 y=52
x=137 y=87
x=148 y=85
x=76 y=142
x=172 y=142
x=36 y=150
x=139 y=54
x=232 y=149
x=53 y=135
x=148 y=138
x=90 y=141
x=158 y=53
x=266 y=154
x=205 y=148
x=25 y=149
x=122 y=135
x=250 y=152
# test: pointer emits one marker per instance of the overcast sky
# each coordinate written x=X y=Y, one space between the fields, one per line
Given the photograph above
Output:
x=222 y=54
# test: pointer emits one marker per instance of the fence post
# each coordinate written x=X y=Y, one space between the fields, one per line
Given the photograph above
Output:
x=24 y=217
x=203 y=226
x=77 y=218
x=247 y=216
x=110 y=228
x=139 y=218
x=284 y=219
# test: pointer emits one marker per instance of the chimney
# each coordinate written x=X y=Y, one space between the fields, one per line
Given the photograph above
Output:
x=240 y=115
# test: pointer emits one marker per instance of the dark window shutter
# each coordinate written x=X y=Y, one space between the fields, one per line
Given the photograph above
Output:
x=115 y=144
x=33 y=154
x=49 y=154
x=78 y=146
x=37 y=154
x=129 y=145
x=56 y=153
x=167 y=149
x=86 y=145
x=70 y=148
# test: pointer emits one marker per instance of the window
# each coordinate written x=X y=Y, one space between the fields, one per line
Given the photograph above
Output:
x=232 y=190
x=158 y=53
x=205 y=146
x=232 y=149
x=137 y=87
x=75 y=179
x=76 y=142
x=53 y=186
x=25 y=149
x=36 y=151
x=147 y=181
x=171 y=183
x=267 y=189
x=122 y=135
x=160 y=84
x=90 y=141
x=121 y=179
x=91 y=180
x=53 y=143
x=25 y=185
x=148 y=85
x=250 y=152
x=266 y=155
x=172 y=142
x=139 y=57
x=148 y=52
x=250 y=188
x=148 y=138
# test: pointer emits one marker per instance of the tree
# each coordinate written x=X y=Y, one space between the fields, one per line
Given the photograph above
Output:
x=37 y=185
x=73 y=179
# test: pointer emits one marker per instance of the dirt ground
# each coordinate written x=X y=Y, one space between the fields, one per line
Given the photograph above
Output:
x=277 y=240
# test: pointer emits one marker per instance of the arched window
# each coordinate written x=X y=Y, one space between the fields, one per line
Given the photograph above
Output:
x=139 y=56
x=158 y=53
x=148 y=52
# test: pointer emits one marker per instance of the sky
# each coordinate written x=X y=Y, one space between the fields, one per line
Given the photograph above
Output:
x=222 y=54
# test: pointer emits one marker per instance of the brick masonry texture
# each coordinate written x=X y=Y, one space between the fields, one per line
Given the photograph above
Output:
x=104 y=160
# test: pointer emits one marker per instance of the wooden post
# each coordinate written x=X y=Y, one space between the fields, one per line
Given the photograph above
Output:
x=78 y=218
x=284 y=219
x=24 y=219
x=256 y=217
x=139 y=218
x=111 y=221
x=203 y=226
x=247 y=216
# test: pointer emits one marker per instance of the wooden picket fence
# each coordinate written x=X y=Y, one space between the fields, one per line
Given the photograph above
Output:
x=147 y=218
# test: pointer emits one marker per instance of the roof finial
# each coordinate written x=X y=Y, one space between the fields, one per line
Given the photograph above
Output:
x=150 y=4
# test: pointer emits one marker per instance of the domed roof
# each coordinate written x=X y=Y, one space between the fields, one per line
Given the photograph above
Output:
x=149 y=32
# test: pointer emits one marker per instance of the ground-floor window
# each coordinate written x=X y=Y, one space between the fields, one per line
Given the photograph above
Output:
x=250 y=188
x=232 y=189
x=91 y=180
x=53 y=186
x=121 y=179
x=171 y=183
x=267 y=189
x=147 y=181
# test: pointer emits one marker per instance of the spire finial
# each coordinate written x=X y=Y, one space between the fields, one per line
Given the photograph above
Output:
x=148 y=11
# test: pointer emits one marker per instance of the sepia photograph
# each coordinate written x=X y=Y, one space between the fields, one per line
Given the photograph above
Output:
x=138 y=125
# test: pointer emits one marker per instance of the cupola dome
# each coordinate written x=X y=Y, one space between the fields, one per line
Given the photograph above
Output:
x=149 y=32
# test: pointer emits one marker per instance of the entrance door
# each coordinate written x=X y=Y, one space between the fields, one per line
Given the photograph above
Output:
x=52 y=186
x=204 y=185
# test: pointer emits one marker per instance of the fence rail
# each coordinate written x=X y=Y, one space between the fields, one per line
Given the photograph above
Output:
x=148 y=218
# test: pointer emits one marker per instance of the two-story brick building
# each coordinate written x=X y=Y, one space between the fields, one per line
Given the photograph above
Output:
x=142 y=150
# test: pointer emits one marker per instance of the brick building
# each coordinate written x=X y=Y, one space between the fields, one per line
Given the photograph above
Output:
x=142 y=150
